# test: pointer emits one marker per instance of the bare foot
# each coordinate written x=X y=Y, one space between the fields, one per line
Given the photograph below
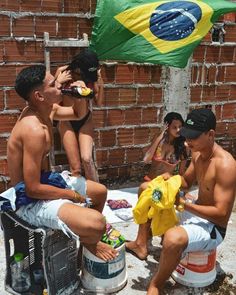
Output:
x=103 y=251
x=138 y=251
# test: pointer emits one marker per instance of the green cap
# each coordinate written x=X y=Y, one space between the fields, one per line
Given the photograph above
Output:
x=18 y=257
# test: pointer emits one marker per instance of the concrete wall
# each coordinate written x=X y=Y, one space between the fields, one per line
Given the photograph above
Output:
x=136 y=96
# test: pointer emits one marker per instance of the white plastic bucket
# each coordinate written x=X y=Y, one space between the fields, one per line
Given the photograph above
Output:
x=196 y=269
x=104 y=277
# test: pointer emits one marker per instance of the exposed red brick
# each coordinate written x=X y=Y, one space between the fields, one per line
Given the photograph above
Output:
x=7 y=122
x=111 y=96
x=141 y=135
x=230 y=17
x=51 y=6
x=108 y=73
x=134 y=155
x=108 y=138
x=2 y=51
x=13 y=101
x=229 y=111
x=101 y=158
x=142 y=74
x=127 y=96
x=133 y=116
x=145 y=95
x=156 y=74
x=5 y=25
x=115 y=117
x=153 y=131
x=226 y=54
x=99 y=118
x=93 y=5
x=67 y=29
x=230 y=35
x=32 y=6
x=208 y=93
x=218 y=112
x=124 y=74
x=220 y=76
x=220 y=128
x=196 y=93
x=23 y=26
x=211 y=74
x=125 y=136
x=10 y=5
x=45 y=24
x=232 y=92
x=124 y=171
x=230 y=75
x=199 y=53
x=149 y=115
x=75 y=6
x=7 y=75
x=85 y=26
x=2 y=104
x=3 y=167
x=116 y=156
x=222 y=92
x=23 y=51
x=157 y=95
x=3 y=146
x=212 y=54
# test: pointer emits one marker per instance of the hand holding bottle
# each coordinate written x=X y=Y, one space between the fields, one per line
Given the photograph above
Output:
x=78 y=92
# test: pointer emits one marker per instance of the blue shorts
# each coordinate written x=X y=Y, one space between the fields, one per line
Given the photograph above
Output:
x=44 y=213
x=203 y=235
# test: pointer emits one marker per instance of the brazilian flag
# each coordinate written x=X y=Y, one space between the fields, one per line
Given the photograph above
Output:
x=158 y=32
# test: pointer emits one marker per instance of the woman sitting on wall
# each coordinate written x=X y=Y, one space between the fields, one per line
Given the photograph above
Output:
x=167 y=152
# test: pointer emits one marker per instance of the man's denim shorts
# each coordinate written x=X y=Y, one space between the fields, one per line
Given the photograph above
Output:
x=44 y=213
x=202 y=234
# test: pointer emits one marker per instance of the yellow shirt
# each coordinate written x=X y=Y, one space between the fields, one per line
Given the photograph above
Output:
x=157 y=203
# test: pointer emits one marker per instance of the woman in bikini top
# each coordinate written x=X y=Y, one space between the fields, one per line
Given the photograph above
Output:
x=167 y=152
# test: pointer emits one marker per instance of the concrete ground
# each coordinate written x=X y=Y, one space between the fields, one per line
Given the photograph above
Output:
x=140 y=272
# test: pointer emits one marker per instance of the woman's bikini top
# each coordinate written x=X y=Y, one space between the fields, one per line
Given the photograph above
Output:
x=160 y=156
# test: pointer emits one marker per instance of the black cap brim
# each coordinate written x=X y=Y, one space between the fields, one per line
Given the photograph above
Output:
x=190 y=133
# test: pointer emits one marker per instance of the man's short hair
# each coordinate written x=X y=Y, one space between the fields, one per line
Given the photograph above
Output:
x=28 y=79
x=198 y=121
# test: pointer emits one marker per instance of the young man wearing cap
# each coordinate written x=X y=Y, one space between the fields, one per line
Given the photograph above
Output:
x=52 y=205
x=203 y=223
x=77 y=136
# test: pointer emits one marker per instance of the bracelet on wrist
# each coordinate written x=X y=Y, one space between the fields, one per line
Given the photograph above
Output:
x=77 y=196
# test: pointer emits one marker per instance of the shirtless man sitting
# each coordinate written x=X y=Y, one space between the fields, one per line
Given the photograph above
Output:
x=27 y=149
x=203 y=223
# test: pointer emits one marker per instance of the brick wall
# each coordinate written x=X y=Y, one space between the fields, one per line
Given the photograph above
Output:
x=133 y=107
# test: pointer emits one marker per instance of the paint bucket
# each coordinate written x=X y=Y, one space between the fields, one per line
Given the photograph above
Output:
x=196 y=269
x=103 y=277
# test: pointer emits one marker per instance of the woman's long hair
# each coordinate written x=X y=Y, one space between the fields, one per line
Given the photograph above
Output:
x=179 y=147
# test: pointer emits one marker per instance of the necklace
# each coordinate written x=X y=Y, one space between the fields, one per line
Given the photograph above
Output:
x=211 y=155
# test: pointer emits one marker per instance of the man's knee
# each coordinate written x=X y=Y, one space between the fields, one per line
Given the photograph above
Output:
x=97 y=224
x=175 y=239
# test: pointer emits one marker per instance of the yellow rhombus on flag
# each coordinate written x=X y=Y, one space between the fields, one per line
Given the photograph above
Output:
x=159 y=32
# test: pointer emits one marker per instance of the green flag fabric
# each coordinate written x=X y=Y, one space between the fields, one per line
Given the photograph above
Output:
x=158 y=32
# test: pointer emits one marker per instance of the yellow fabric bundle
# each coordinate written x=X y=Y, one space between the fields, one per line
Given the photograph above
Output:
x=157 y=203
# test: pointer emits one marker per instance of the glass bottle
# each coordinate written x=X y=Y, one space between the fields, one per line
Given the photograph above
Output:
x=78 y=92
